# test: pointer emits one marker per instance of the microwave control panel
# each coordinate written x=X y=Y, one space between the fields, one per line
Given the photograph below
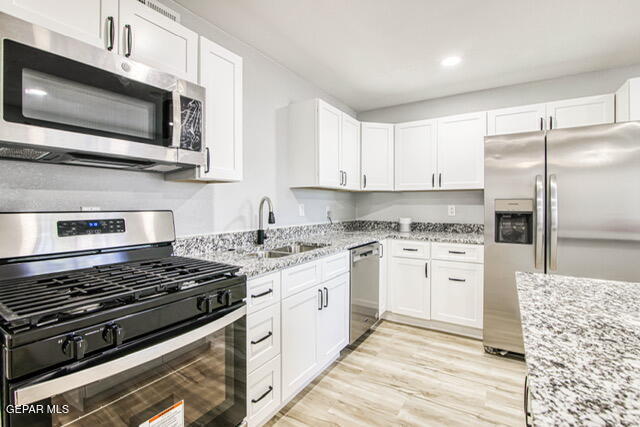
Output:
x=91 y=226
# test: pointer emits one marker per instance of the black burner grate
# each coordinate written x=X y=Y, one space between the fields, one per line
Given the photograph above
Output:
x=28 y=300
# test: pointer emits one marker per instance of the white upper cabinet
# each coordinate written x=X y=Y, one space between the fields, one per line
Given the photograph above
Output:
x=591 y=110
x=526 y=118
x=461 y=151
x=350 y=153
x=324 y=146
x=329 y=131
x=221 y=75
x=153 y=39
x=628 y=101
x=86 y=20
x=377 y=156
x=416 y=155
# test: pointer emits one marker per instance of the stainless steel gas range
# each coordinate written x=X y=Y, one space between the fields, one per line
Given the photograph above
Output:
x=101 y=325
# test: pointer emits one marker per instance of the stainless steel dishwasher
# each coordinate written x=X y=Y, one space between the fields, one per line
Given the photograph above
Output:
x=365 y=289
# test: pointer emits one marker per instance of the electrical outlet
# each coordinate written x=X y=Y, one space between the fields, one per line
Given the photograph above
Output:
x=451 y=210
x=301 y=209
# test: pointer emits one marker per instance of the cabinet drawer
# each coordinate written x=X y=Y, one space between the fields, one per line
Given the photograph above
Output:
x=263 y=336
x=457 y=252
x=334 y=266
x=300 y=277
x=457 y=293
x=263 y=291
x=263 y=392
x=410 y=249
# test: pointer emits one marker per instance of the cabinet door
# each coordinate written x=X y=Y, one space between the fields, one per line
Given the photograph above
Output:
x=300 y=315
x=415 y=155
x=409 y=285
x=329 y=130
x=590 y=110
x=85 y=20
x=461 y=151
x=221 y=75
x=158 y=41
x=526 y=118
x=333 y=333
x=350 y=153
x=377 y=156
x=456 y=293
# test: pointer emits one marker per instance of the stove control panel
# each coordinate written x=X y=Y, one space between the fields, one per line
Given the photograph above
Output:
x=91 y=226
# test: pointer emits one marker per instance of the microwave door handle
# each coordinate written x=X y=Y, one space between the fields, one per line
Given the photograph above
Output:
x=47 y=389
x=176 y=131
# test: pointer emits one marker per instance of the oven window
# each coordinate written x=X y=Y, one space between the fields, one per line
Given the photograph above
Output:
x=50 y=91
x=202 y=384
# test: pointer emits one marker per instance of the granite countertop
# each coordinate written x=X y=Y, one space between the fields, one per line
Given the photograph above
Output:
x=337 y=242
x=582 y=346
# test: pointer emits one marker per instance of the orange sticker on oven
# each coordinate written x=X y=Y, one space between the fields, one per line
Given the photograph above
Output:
x=170 y=417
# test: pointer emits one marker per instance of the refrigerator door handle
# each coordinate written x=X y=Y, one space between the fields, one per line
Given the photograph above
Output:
x=553 y=226
x=539 y=248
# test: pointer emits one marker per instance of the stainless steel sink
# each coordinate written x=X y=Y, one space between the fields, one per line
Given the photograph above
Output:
x=294 y=248
x=299 y=247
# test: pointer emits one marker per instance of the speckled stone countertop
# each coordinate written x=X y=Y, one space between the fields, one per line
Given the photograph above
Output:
x=582 y=345
x=337 y=239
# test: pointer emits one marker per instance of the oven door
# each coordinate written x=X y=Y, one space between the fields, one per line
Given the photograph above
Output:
x=196 y=378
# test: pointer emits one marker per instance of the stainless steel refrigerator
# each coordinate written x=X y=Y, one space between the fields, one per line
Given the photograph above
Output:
x=564 y=201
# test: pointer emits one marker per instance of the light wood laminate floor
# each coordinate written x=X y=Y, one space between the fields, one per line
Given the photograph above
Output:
x=403 y=375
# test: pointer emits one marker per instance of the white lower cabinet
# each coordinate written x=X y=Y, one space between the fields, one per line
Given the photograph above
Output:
x=456 y=293
x=333 y=334
x=409 y=286
x=384 y=259
x=264 y=392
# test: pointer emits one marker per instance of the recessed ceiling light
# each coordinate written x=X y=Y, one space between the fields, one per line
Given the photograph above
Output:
x=450 y=61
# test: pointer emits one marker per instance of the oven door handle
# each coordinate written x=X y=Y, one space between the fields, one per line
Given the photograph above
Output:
x=176 y=124
x=46 y=389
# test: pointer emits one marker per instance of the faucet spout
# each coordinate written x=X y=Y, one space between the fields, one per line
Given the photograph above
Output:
x=272 y=219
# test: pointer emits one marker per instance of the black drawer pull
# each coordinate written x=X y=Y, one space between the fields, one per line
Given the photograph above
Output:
x=262 y=294
x=457 y=252
x=263 y=338
x=453 y=279
x=410 y=249
x=263 y=395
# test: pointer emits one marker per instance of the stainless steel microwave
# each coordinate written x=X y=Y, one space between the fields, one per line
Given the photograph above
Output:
x=65 y=101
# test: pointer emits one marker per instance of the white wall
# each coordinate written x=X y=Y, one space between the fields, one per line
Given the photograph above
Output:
x=199 y=208
x=432 y=206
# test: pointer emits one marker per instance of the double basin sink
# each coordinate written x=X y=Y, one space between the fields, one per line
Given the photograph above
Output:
x=294 y=248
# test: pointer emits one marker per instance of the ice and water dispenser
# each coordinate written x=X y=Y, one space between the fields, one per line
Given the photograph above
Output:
x=514 y=221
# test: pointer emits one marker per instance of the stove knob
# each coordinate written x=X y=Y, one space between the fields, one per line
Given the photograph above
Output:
x=75 y=346
x=113 y=333
x=206 y=303
x=224 y=298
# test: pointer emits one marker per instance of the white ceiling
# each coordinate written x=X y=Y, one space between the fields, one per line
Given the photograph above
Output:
x=376 y=53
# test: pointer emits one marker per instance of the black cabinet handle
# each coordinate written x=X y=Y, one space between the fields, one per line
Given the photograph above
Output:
x=320 y=302
x=345 y=178
x=263 y=395
x=426 y=270
x=541 y=123
x=440 y=180
x=326 y=300
x=111 y=29
x=262 y=339
x=208 y=168
x=457 y=252
x=550 y=122
x=262 y=294
x=381 y=250
x=433 y=180
x=129 y=46
x=364 y=177
x=453 y=279
x=410 y=249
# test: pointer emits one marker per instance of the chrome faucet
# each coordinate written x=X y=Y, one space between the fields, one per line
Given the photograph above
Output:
x=272 y=219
